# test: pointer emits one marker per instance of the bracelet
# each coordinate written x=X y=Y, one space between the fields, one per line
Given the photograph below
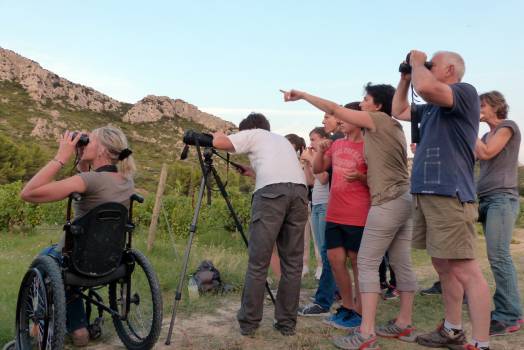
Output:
x=59 y=161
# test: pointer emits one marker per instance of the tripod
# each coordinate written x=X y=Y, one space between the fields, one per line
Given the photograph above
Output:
x=207 y=170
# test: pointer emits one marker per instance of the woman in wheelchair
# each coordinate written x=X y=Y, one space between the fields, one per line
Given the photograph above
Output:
x=106 y=175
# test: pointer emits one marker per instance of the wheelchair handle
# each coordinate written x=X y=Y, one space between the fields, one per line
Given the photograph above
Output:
x=76 y=196
x=137 y=198
x=73 y=196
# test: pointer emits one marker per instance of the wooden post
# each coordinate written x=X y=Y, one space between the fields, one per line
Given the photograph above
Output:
x=157 y=208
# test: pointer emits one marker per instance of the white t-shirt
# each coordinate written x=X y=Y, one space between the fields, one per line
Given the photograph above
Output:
x=272 y=157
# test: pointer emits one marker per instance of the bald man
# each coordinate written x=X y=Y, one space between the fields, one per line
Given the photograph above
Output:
x=442 y=183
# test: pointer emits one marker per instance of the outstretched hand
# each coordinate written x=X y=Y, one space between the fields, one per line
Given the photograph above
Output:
x=292 y=95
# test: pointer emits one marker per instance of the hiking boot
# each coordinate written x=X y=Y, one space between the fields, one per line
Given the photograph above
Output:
x=390 y=293
x=356 y=341
x=313 y=309
x=435 y=289
x=350 y=319
x=441 y=338
x=391 y=330
x=497 y=328
x=248 y=332
x=284 y=330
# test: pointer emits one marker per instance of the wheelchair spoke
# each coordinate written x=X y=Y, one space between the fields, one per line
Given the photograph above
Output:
x=40 y=321
x=140 y=299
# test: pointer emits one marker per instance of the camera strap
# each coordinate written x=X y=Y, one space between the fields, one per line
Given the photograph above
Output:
x=415 y=128
x=110 y=168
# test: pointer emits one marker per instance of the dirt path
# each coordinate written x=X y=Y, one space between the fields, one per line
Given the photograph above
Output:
x=219 y=330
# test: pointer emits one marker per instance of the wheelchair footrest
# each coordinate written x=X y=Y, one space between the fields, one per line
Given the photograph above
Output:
x=95 y=328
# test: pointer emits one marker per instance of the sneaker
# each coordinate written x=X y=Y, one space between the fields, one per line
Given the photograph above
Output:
x=497 y=328
x=339 y=313
x=318 y=272
x=284 y=330
x=312 y=309
x=440 y=338
x=391 y=330
x=350 y=320
x=356 y=341
x=435 y=289
x=390 y=293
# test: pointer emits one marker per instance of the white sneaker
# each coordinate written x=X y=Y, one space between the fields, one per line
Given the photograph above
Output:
x=305 y=270
x=318 y=272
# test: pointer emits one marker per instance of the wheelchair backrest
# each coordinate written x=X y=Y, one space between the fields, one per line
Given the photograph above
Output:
x=98 y=239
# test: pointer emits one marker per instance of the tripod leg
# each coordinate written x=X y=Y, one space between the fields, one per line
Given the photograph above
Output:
x=192 y=230
x=234 y=215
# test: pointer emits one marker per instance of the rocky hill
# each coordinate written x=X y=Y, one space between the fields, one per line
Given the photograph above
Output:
x=37 y=105
x=44 y=87
x=153 y=108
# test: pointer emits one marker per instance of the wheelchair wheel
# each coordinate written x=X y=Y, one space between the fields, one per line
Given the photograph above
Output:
x=140 y=328
x=40 y=310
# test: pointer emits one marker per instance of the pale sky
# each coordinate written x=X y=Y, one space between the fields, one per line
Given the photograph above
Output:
x=231 y=58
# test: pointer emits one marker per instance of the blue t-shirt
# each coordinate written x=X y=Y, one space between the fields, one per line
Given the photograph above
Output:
x=445 y=157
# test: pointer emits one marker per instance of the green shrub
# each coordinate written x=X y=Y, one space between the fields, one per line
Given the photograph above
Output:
x=14 y=211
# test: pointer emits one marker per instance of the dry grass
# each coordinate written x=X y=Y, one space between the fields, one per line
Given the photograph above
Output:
x=216 y=328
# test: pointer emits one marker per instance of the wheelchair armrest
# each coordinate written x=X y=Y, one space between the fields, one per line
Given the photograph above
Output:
x=138 y=198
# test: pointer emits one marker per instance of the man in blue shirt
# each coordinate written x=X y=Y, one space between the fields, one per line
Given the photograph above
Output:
x=443 y=187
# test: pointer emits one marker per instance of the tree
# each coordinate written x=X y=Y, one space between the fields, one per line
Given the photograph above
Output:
x=18 y=162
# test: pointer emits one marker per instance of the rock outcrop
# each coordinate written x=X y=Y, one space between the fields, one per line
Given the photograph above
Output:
x=153 y=108
x=43 y=85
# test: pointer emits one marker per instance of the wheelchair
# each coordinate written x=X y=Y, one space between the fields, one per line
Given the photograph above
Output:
x=97 y=253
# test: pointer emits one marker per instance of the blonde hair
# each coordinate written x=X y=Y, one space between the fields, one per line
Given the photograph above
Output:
x=114 y=141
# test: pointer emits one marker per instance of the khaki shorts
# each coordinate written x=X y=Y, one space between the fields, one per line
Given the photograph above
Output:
x=444 y=226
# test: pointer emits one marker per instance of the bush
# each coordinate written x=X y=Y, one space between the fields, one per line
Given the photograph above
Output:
x=14 y=211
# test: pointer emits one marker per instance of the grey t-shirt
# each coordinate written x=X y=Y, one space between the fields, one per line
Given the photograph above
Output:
x=500 y=173
x=320 y=193
x=101 y=188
